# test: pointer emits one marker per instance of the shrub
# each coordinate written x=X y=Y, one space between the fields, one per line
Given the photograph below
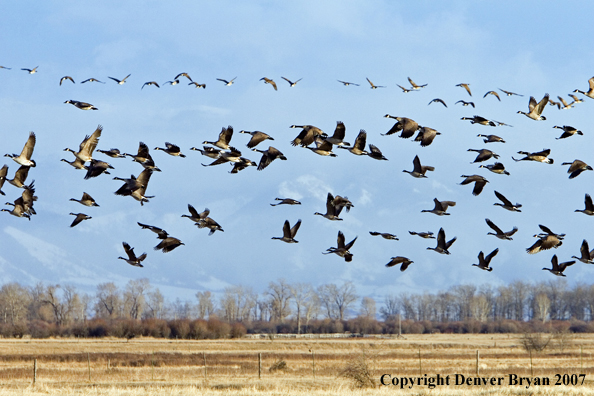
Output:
x=199 y=329
x=217 y=328
x=358 y=370
x=237 y=330
x=180 y=328
x=278 y=365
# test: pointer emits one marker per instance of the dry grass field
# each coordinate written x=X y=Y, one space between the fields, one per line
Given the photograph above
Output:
x=171 y=367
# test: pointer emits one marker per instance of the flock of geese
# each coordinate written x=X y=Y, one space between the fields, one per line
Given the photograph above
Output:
x=314 y=139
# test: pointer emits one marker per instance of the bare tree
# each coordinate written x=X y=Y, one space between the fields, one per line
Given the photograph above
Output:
x=134 y=297
x=109 y=301
x=390 y=309
x=14 y=300
x=300 y=294
x=155 y=304
x=368 y=309
x=543 y=304
x=237 y=303
x=205 y=304
x=279 y=294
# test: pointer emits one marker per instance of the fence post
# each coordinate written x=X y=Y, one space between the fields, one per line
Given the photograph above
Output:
x=89 y=365
x=259 y=365
x=34 y=371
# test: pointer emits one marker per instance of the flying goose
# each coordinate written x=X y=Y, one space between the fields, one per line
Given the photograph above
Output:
x=168 y=244
x=322 y=147
x=208 y=151
x=418 y=169
x=196 y=85
x=257 y=138
x=540 y=156
x=291 y=83
x=4 y=67
x=268 y=156
x=576 y=167
x=375 y=153
x=81 y=105
x=149 y=83
x=404 y=90
x=161 y=233
x=562 y=104
x=242 y=164
x=567 y=131
x=231 y=155
x=575 y=98
x=92 y=80
x=338 y=137
x=491 y=138
x=174 y=82
x=86 y=200
x=195 y=216
x=405 y=262
x=499 y=123
x=415 y=86
x=307 y=135
x=479 y=120
x=19 y=176
x=28 y=198
x=440 y=207
x=442 y=246
x=332 y=211
x=3 y=173
x=497 y=167
x=18 y=210
x=343 y=249
x=373 y=86
x=406 y=125
x=507 y=203
x=31 y=71
x=120 y=82
x=426 y=136
x=494 y=94
x=479 y=183
x=171 y=149
x=66 y=78
x=289 y=232
x=113 y=153
x=438 y=100
x=209 y=223
x=132 y=259
x=508 y=93
x=425 y=235
x=96 y=168
x=590 y=92
x=483 y=155
x=87 y=146
x=484 y=261
x=144 y=158
x=77 y=163
x=286 y=201
x=589 y=207
x=269 y=81
x=186 y=75
x=535 y=109
x=359 y=145
x=346 y=83
x=227 y=83
x=342 y=203
x=500 y=234
x=224 y=138
x=385 y=235
x=25 y=157
x=557 y=268
x=546 y=240
x=464 y=103
x=586 y=255
x=466 y=87
x=79 y=217
x=137 y=192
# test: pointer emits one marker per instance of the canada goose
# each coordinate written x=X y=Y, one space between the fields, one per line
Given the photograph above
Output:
x=79 y=217
x=168 y=244
x=224 y=138
x=161 y=233
x=86 y=200
x=323 y=147
x=373 y=86
x=4 y=67
x=464 y=103
x=77 y=163
x=31 y=71
x=466 y=87
x=567 y=131
x=546 y=240
x=442 y=246
x=338 y=137
x=589 y=207
x=563 y=105
x=242 y=164
x=540 y=156
x=535 y=109
x=415 y=86
x=385 y=235
x=484 y=261
x=342 y=203
x=483 y=155
x=91 y=80
x=196 y=85
x=66 y=78
x=553 y=103
x=289 y=232
x=286 y=201
x=28 y=197
x=186 y=75
x=120 y=82
x=426 y=136
x=479 y=183
x=425 y=235
x=307 y=135
x=332 y=211
x=268 y=156
x=81 y=105
x=346 y=83
x=376 y=153
x=404 y=90
x=406 y=125
x=491 y=138
x=269 y=81
x=359 y=145
x=137 y=192
x=227 y=83
x=586 y=255
x=231 y=155
x=149 y=83
x=208 y=151
x=437 y=100
x=400 y=260
x=132 y=259
x=171 y=149
x=113 y=153
x=195 y=216
x=18 y=210
x=3 y=173
x=87 y=146
x=508 y=93
x=499 y=123
x=558 y=268
x=575 y=99
x=209 y=223
x=144 y=158
x=440 y=207
x=576 y=167
x=19 y=176
x=479 y=120
x=174 y=82
x=497 y=167
x=25 y=157
x=590 y=92
x=291 y=83
x=500 y=234
x=494 y=94
x=343 y=249
x=96 y=168
x=257 y=138
x=507 y=203
x=418 y=169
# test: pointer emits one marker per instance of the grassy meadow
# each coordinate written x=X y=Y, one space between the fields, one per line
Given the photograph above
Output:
x=291 y=367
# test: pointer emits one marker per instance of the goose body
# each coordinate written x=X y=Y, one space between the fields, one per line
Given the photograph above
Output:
x=546 y=240
x=342 y=249
x=87 y=146
x=385 y=235
x=120 y=82
x=138 y=190
x=590 y=92
x=440 y=207
x=506 y=203
x=224 y=138
x=171 y=149
x=132 y=259
x=289 y=232
x=144 y=158
x=540 y=156
x=286 y=201
x=586 y=255
x=507 y=236
x=567 y=131
x=589 y=207
x=373 y=86
x=484 y=261
x=25 y=157
x=195 y=216
x=483 y=155
x=491 y=138
x=442 y=246
x=558 y=269
x=404 y=124
x=497 y=167
x=415 y=86
x=211 y=224
x=3 y=173
x=425 y=235
x=418 y=169
x=332 y=211
x=86 y=200
x=227 y=82
x=375 y=153
x=464 y=103
x=96 y=168
x=291 y=83
x=268 y=156
x=269 y=81
x=338 y=137
x=81 y=105
x=66 y=78
x=257 y=138
x=576 y=167
x=358 y=147
x=494 y=94
x=479 y=183
x=79 y=218
x=307 y=136
x=479 y=120
x=535 y=109
x=149 y=83
x=426 y=136
x=113 y=153
x=20 y=176
x=403 y=261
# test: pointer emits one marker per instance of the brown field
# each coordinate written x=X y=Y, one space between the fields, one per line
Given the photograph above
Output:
x=170 y=367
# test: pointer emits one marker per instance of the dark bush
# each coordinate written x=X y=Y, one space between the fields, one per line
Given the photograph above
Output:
x=199 y=329
x=218 y=328
x=180 y=328
x=237 y=330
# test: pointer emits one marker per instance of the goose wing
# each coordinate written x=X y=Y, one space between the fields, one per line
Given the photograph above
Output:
x=494 y=227
x=505 y=201
x=29 y=146
x=491 y=255
x=295 y=228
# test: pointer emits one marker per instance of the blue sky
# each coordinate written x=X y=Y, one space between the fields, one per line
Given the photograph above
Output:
x=525 y=47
